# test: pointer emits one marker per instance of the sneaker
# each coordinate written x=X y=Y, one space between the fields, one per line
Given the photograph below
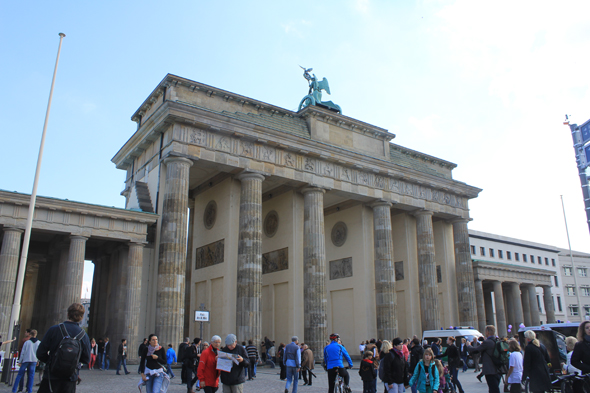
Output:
x=347 y=389
x=286 y=390
x=130 y=373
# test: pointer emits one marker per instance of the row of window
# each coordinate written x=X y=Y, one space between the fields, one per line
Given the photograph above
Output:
x=582 y=271
x=574 y=310
x=525 y=257
x=571 y=290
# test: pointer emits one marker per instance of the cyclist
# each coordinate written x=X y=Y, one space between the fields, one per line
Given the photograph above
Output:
x=333 y=354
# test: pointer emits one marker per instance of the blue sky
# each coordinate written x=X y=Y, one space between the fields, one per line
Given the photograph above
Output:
x=482 y=84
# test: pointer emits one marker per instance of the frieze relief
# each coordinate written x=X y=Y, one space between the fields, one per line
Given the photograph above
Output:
x=309 y=164
x=341 y=268
x=210 y=254
x=275 y=261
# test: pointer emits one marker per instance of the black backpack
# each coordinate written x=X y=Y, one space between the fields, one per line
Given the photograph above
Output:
x=64 y=361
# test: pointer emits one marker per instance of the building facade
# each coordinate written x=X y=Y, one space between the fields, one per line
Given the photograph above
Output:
x=576 y=284
x=516 y=281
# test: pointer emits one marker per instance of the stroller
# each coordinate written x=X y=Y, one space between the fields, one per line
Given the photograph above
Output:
x=445 y=382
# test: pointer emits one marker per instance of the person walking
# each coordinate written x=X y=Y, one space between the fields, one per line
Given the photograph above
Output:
x=233 y=381
x=48 y=349
x=292 y=361
x=416 y=354
x=170 y=358
x=140 y=350
x=486 y=349
x=184 y=368
x=570 y=343
x=106 y=354
x=93 y=353
x=151 y=366
x=100 y=350
x=307 y=364
x=425 y=374
x=27 y=360
x=514 y=374
x=534 y=364
x=207 y=372
x=253 y=358
x=476 y=355
x=464 y=353
x=280 y=353
x=192 y=355
x=581 y=355
x=395 y=369
x=122 y=357
x=368 y=372
x=454 y=361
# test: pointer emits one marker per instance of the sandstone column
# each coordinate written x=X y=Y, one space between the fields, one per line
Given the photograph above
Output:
x=535 y=318
x=9 y=256
x=248 y=305
x=314 y=273
x=429 y=310
x=74 y=269
x=172 y=255
x=60 y=280
x=467 y=304
x=481 y=311
x=517 y=305
x=548 y=300
x=132 y=305
x=508 y=304
x=500 y=314
x=385 y=298
x=526 y=306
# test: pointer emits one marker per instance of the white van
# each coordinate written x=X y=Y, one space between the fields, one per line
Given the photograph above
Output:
x=459 y=332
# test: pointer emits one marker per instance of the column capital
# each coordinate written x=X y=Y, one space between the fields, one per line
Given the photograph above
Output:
x=458 y=220
x=78 y=237
x=245 y=175
x=13 y=229
x=184 y=160
x=137 y=244
x=380 y=202
x=311 y=188
x=422 y=212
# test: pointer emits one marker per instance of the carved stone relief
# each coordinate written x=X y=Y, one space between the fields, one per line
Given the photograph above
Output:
x=399 y=270
x=211 y=254
x=275 y=261
x=210 y=214
x=223 y=143
x=309 y=164
x=271 y=223
x=267 y=153
x=247 y=149
x=339 y=233
x=290 y=159
x=197 y=137
x=341 y=268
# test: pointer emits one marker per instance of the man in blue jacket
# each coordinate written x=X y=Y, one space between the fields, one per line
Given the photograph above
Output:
x=292 y=360
x=333 y=354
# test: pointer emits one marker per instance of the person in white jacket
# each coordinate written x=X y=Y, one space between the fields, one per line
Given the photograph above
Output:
x=28 y=361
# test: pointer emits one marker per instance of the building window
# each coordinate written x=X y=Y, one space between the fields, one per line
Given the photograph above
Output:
x=586 y=309
x=556 y=282
x=553 y=261
x=508 y=255
x=546 y=261
x=582 y=272
x=573 y=310
x=532 y=259
x=500 y=254
x=399 y=270
x=472 y=250
x=524 y=258
x=571 y=290
x=517 y=256
x=567 y=271
x=482 y=251
x=540 y=260
x=559 y=303
x=438 y=274
x=491 y=252
x=585 y=291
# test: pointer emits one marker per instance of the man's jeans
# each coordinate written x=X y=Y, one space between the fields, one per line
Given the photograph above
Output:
x=107 y=360
x=30 y=368
x=169 y=370
x=292 y=374
x=124 y=363
x=493 y=381
x=395 y=388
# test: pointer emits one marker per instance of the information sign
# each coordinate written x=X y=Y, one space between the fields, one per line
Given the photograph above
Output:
x=201 y=316
x=587 y=151
x=585 y=131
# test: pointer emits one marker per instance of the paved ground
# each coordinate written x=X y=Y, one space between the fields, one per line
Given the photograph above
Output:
x=267 y=381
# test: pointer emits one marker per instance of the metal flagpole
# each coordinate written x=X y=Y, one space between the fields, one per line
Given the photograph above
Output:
x=572 y=260
x=15 y=315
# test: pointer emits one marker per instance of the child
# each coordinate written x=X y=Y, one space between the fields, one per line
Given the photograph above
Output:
x=368 y=372
x=442 y=374
x=426 y=374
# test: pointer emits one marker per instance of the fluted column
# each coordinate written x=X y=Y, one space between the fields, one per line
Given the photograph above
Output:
x=132 y=305
x=248 y=305
x=548 y=300
x=526 y=306
x=74 y=269
x=172 y=255
x=481 y=311
x=509 y=304
x=535 y=317
x=60 y=280
x=429 y=310
x=314 y=273
x=467 y=304
x=385 y=298
x=9 y=255
x=516 y=304
x=489 y=305
x=500 y=313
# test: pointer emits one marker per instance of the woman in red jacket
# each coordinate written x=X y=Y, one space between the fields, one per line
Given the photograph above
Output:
x=207 y=372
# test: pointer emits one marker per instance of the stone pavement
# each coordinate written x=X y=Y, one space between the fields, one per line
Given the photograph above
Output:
x=267 y=381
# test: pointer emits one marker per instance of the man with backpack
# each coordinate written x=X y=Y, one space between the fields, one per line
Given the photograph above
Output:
x=64 y=346
x=490 y=360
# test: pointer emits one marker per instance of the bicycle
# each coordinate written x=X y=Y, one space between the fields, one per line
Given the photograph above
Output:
x=339 y=386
